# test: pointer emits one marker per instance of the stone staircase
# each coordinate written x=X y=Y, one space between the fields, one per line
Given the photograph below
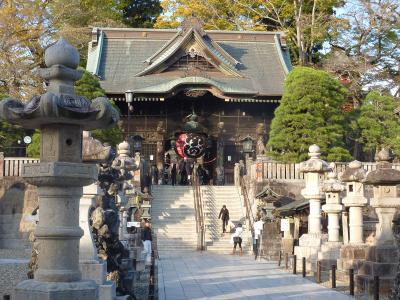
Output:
x=174 y=223
x=214 y=197
x=173 y=218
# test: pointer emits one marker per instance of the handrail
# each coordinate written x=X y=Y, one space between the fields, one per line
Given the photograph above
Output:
x=199 y=211
x=249 y=212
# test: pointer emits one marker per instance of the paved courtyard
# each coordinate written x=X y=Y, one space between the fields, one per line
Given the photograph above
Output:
x=195 y=275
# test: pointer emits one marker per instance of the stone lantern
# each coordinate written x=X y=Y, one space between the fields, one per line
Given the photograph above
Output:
x=314 y=169
x=353 y=254
x=383 y=256
x=333 y=206
x=330 y=250
x=61 y=116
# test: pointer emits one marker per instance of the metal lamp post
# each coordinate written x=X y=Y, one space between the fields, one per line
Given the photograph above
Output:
x=129 y=100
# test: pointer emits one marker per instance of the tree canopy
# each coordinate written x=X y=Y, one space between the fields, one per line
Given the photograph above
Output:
x=377 y=124
x=309 y=113
x=306 y=23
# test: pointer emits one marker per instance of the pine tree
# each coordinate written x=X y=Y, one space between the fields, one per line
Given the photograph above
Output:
x=378 y=124
x=309 y=113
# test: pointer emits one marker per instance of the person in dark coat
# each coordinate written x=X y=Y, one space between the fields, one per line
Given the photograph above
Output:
x=224 y=216
x=173 y=173
x=184 y=171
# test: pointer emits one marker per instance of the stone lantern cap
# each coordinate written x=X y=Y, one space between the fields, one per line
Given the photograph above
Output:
x=60 y=105
x=384 y=174
x=314 y=164
x=332 y=185
x=354 y=172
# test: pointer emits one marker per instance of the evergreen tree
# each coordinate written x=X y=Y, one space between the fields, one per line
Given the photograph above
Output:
x=33 y=150
x=141 y=13
x=378 y=124
x=9 y=134
x=89 y=86
x=309 y=113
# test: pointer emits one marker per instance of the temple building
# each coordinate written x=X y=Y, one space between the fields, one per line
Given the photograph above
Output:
x=173 y=84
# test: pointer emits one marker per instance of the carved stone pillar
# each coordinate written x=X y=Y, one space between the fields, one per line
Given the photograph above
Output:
x=330 y=250
x=383 y=256
x=314 y=169
x=60 y=175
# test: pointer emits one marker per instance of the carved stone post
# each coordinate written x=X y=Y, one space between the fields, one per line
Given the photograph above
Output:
x=383 y=255
x=330 y=251
x=314 y=169
x=60 y=175
x=353 y=254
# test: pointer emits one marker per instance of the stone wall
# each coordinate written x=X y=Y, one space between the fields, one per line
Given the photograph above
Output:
x=17 y=201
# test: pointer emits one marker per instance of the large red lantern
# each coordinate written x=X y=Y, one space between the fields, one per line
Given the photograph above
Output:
x=191 y=145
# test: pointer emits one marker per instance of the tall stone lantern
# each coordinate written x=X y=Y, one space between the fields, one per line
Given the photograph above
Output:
x=383 y=255
x=330 y=250
x=333 y=206
x=353 y=254
x=314 y=169
x=61 y=116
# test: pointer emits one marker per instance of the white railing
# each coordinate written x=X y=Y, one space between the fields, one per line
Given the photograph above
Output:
x=291 y=171
x=12 y=166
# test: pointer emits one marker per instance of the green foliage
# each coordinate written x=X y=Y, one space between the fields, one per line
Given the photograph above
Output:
x=89 y=86
x=9 y=134
x=33 y=150
x=309 y=113
x=378 y=125
x=141 y=13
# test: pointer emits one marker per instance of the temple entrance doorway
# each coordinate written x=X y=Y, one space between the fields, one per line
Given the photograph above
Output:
x=224 y=122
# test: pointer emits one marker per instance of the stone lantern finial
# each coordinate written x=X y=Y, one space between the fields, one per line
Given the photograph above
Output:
x=62 y=53
x=385 y=155
x=124 y=148
x=314 y=151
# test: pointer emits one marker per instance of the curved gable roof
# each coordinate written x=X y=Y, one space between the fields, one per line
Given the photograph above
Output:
x=137 y=59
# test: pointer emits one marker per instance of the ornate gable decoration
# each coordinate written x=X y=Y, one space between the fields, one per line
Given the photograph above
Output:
x=191 y=50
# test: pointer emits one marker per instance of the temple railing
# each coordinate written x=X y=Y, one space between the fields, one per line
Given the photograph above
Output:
x=273 y=170
x=12 y=166
x=199 y=211
x=247 y=204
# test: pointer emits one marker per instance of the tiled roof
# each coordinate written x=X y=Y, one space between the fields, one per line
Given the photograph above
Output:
x=117 y=56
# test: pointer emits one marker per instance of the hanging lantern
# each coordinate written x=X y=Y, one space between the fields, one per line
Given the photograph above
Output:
x=191 y=145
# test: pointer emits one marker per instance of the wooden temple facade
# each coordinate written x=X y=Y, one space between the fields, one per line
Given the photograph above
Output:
x=232 y=82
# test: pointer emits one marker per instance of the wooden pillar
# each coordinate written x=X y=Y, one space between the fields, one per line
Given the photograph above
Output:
x=220 y=154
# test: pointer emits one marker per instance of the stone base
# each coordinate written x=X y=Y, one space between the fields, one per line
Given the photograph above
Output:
x=380 y=261
x=36 y=290
x=94 y=270
x=352 y=257
x=97 y=271
x=107 y=291
x=330 y=252
x=309 y=246
x=287 y=246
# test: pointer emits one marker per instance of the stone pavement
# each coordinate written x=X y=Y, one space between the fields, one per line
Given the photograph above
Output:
x=196 y=275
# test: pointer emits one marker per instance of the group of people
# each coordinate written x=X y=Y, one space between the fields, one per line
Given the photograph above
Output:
x=183 y=171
